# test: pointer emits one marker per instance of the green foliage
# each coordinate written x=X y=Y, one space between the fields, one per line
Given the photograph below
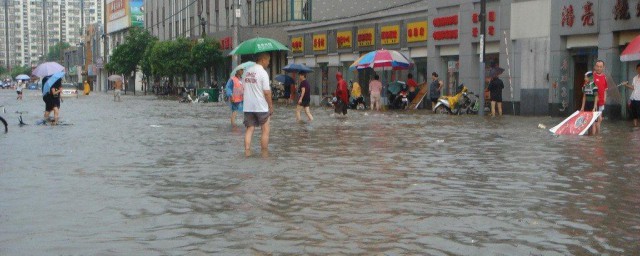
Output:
x=145 y=63
x=57 y=51
x=205 y=54
x=127 y=56
x=170 y=58
x=3 y=71
x=17 y=70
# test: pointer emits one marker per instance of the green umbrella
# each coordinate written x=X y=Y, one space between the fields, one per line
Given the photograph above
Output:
x=258 y=45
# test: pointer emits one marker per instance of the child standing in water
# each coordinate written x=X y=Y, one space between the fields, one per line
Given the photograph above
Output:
x=590 y=97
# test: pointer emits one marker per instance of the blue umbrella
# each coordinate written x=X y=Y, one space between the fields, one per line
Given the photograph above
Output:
x=293 y=67
x=46 y=88
x=285 y=79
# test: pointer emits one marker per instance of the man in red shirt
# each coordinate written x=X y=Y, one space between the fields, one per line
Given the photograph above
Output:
x=600 y=79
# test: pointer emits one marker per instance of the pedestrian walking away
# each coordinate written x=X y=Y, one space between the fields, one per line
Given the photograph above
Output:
x=117 y=90
x=435 y=89
x=495 y=90
x=635 y=96
x=342 y=95
x=304 y=98
x=258 y=105
x=375 y=89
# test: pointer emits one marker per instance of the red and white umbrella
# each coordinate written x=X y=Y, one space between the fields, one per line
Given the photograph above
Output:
x=632 y=52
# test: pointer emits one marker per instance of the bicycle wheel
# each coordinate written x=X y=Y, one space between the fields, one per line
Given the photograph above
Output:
x=4 y=122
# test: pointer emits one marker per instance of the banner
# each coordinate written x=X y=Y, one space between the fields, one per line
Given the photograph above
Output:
x=417 y=31
x=137 y=13
x=117 y=15
x=297 y=44
x=390 y=34
x=366 y=37
x=320 y=42
x=344 y=39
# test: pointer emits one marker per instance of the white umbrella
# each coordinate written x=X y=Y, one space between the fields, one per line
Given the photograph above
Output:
x=47 y=69
x=115 y=78
x=23 y=77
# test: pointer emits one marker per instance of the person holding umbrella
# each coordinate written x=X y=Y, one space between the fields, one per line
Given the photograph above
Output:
x=305 y=97
x=258 y=105
x=51 y=90
x=235 y=90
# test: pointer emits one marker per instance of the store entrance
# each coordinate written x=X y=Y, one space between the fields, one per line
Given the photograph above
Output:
x=582 y=62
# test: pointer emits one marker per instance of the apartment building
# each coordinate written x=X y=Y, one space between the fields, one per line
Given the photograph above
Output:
x=31 y=27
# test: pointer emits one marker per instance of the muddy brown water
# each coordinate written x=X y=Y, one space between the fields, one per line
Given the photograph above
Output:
x=148 y=176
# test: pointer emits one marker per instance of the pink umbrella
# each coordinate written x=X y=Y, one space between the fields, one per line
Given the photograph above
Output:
x=632 y=52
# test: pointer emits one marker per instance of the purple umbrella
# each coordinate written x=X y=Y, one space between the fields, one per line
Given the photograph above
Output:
x=47 y=69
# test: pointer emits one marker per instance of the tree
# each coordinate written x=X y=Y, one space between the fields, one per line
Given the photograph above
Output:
x=17 y=70
x=205 y=54
x=127 y=56
x=57 y=51
x=170 y=58
x=145 y=63
x=3 y=70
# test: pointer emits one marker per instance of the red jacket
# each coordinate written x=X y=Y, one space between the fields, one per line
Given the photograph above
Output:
x=342 y=92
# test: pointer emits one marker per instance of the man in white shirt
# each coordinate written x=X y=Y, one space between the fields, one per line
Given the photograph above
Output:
x=635 y=96
x=258 y=106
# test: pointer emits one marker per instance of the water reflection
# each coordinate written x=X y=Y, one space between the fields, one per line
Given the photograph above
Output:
x=156 y=176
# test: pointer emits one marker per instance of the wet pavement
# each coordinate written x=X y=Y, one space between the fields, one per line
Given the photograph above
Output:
x=148 y=176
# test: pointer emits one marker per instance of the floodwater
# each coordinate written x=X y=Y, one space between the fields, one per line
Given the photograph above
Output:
x=147 y=176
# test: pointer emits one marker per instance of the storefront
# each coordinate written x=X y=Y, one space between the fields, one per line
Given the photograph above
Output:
x=584 y=32
x=331 y=47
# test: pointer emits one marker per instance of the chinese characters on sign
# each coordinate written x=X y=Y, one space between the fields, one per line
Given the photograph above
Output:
x=390 y=34
x=564 y=81
x=297 y=44
x=226 y=43
x=320 y=42
x=417 y=32
x=587 y=17
x=365 y=37
x=343 y=39
x=567 y=16
x=445 y=33
x=491 y=29
x=621 y=10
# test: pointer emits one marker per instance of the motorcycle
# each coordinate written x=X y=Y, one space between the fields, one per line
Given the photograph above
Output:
x=461 y=103
x=277 y=90
x=357 y=103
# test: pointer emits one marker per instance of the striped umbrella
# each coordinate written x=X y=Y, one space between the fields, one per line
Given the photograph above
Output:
x=632 y=51
x=382 y=59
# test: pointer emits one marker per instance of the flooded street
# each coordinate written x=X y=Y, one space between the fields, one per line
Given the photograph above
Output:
x=147 y=176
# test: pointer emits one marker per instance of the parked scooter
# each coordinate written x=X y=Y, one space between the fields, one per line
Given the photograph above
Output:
x=458 y=104
x=357 y=103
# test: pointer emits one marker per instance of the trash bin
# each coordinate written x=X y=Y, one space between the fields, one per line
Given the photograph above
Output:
x=213 y=94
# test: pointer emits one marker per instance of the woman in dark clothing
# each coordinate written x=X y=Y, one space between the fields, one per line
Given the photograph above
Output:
x=495 y=90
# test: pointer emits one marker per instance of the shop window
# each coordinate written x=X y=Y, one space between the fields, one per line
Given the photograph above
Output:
x=277 y=11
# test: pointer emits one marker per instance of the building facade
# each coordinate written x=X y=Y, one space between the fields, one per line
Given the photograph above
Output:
x=170 y=19
x=30 y=28
x=544 y=59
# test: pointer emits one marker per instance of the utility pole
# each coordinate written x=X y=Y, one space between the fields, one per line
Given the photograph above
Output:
x=235 y=59
x=483 y=10
x=105 y=50
x=6 y=34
